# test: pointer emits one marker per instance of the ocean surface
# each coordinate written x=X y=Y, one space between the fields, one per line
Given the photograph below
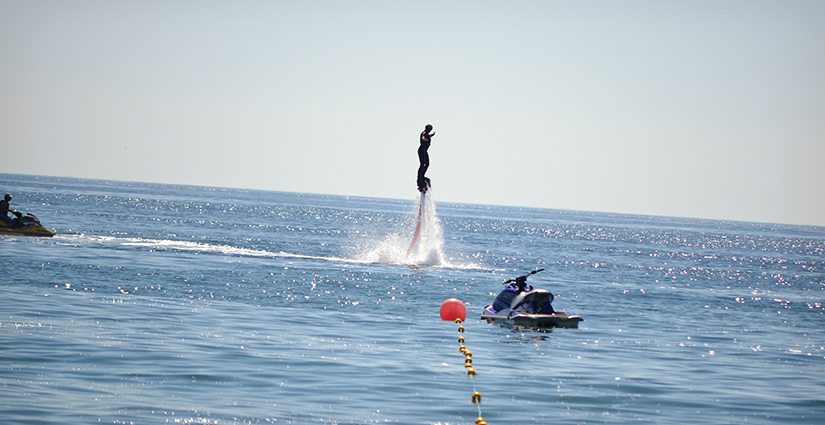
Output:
x=177 y=304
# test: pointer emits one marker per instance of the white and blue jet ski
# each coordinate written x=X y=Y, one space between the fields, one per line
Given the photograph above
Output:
x=521 y=305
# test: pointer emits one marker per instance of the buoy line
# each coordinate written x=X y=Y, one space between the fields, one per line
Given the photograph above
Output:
x=471 y=372
x=453 y=309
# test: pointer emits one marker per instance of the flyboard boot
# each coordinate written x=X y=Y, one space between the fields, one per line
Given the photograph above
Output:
x=423 y=184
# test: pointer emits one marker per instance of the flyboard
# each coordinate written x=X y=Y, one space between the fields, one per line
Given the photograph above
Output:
x=420 y=213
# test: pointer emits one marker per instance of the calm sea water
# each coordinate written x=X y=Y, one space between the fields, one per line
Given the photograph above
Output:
x=176 y=304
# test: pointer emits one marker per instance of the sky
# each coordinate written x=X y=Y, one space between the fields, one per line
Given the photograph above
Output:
x=701 y=109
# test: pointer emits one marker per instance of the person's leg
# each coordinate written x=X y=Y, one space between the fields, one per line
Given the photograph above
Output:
x=424 y=160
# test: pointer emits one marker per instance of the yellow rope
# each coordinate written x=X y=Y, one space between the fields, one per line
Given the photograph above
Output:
x=471 y=372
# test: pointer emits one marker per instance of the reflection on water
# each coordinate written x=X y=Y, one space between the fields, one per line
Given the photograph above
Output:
x=159 y=303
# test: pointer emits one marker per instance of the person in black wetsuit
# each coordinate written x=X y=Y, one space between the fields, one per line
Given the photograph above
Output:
x=424 y=158
x=5 y=210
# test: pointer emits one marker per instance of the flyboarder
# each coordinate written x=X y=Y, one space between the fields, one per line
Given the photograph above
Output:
x=424 y=158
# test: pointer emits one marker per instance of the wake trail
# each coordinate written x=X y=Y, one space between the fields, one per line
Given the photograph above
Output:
x=390 y=251
x=187 y=246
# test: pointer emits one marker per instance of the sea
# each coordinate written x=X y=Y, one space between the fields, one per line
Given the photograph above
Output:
x=163 y=303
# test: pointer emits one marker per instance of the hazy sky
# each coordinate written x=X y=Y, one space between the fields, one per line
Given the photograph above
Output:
x=694 y=109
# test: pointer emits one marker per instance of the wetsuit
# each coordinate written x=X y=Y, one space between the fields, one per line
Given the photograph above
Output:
x=423 y=159
x=4 y=212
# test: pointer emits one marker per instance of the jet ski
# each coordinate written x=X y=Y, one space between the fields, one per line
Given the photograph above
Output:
x=521 y=305
x=24 y=225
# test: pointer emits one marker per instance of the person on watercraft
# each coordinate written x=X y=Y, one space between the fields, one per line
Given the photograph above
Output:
x=5 y=210
x=424 y=157
x=510 y=292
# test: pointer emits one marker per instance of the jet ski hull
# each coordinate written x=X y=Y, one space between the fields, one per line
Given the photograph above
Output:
x=28 y=226
x=529 y=320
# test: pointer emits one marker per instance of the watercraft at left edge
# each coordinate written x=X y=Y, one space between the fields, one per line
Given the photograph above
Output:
x=521 y=305
x=25 y=225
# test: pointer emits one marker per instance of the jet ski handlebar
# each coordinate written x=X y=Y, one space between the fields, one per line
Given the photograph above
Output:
x=521 y=277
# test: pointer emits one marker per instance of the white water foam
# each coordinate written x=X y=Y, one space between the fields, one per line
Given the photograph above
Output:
x=428 y=250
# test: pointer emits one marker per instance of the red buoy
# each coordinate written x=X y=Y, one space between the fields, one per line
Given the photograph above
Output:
x=453 y=309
